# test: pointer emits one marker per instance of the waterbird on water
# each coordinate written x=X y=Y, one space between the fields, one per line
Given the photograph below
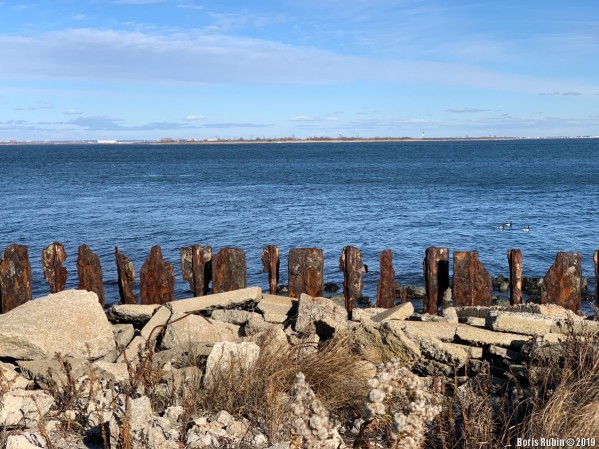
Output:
x=526 y=228
x=502 y=227
x=508 y=224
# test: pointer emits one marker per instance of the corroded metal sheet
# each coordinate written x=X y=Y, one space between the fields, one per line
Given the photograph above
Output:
x=55 y=274
x=89 y=272
x=350 y=263
x=229 y=271
x=270 y=264
x=156 y=279
x=126 y=277
x=15 y=278
x=196 y=267
x=563 y=281
x=306 y=267
x=385 y=293
x=514 y=257
x=472 y=284
x=436 y=277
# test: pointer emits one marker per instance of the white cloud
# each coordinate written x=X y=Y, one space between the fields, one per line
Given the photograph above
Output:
x=192 y=118
x=466 y=110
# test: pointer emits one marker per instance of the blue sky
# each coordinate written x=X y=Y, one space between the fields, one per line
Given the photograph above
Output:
x=202 y=69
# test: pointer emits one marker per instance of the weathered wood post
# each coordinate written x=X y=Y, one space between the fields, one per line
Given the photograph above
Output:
x=306 y=266
x=196 y=267
x=229 y=270
x=15 y=278
x=596 y=260
x=55 y=274
x=126 y=277
x=350 y=263
x=270 y=265
x=385 y=292
x=472 y=284
x=436 y=277
x=156 y=279
x=562 y=283
x=89 y=272
x=514 y=257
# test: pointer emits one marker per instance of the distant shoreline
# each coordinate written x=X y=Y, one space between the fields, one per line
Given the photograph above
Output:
x=284 y=140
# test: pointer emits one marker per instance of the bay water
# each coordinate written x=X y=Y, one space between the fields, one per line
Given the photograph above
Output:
x=406 y=196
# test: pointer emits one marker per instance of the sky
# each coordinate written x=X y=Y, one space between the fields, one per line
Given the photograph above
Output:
x=206 y=69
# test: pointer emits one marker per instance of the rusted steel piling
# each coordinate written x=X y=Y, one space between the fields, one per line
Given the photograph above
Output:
x=471 y=281
x=15 y=278
x=156 y=279
x=196 y=267
x=514 y=258
x=126 y=277
x=350 y=263
x=55 y=274
x=385 y=292
x=436 y=277
x=229 y=271
x=306 y=267
x=89 y=272
x=563 y=281
x=270 y=264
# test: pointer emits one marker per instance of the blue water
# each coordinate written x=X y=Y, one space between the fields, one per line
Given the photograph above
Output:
x=405 y=196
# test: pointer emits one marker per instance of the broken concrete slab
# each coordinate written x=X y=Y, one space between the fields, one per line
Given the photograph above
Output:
x=400 y=312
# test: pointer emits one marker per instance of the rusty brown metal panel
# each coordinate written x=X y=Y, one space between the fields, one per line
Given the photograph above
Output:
x=350 y=263
x=89 y=272
x=55 y=274
x=306 y=267
x=385 y=293
x=436 y=277
x=563 y=281
x=196 y=267
x=157 y=279
x=270 y=264
x=471 y=281
x=229 y=270
x=126 y=277
x=514 y=257
x=15 y=278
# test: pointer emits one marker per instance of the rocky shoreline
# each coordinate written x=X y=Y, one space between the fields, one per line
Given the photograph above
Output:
x=73 y=376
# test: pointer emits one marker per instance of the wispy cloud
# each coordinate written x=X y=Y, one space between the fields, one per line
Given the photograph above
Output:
x=565 y=94
x=466 y=110
x=235 y=125
x=73 y=112
x=38 y=106
x=193 y=118
x=308 y=118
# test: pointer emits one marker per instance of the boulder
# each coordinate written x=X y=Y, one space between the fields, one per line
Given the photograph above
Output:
x=197 y=329
x=244 y=297
x=482 y=337
x=26 y=440
x=400 y=312
x=226 y=354
x=123 y=334
x=442 y=330
x=23 y=408
x=359 y=315
x=46 y=372
x=519 y=323
x=277 y=309
x=12 y=378
x=232 y=316
x=112 y=372
x=136 y=415
x=136 y=314
x=320 y=314
x=71 y=323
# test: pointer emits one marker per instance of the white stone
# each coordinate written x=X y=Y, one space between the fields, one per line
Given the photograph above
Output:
x=224 y=354
x=26 y=440
x=24 y=407
x=197 y=329
x=321 y=314
x=277 y=309
x=71 y=323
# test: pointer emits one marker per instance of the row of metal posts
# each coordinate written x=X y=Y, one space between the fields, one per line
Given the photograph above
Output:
x=227 y=271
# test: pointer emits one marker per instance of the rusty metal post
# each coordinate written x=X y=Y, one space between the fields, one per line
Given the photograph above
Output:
x=89 y=272
x=403 y=295
x=596 y=260
x=472 y=284
x=55 y=274
x=385 y=292
x=563 y=281
x=306 y=267
x=350 y=263
x=514 y=257
x=15 y=278
x=126 y=277
x=196 y=267
x=156 y=279
x=270 y=265
x=436 y=277
x=229 y=270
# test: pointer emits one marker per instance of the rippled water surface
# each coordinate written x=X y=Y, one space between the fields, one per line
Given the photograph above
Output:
x=403 y=196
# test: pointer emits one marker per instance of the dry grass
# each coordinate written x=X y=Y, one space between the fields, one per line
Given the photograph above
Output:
x=260 y=392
